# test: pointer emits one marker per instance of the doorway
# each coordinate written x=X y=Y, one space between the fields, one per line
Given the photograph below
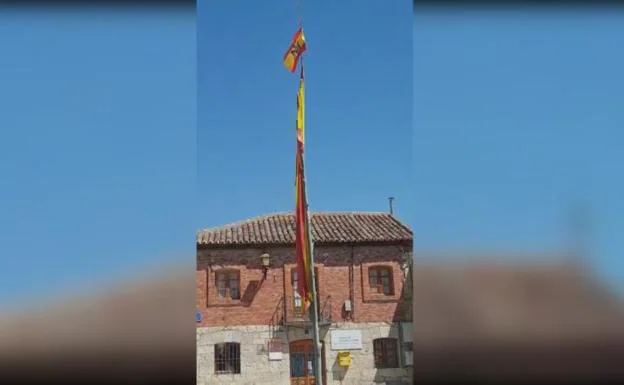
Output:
x=302 y=362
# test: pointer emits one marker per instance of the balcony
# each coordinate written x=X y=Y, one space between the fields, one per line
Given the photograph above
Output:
x=294 y=316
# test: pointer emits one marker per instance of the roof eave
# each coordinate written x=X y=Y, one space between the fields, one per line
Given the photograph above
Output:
x=270 y=245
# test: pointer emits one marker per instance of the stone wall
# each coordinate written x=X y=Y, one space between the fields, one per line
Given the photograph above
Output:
x=256 y=369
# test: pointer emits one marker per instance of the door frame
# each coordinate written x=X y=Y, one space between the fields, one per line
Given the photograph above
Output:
x=323 y=357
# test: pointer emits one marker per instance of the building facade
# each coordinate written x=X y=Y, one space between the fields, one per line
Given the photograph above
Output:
x=252 y=329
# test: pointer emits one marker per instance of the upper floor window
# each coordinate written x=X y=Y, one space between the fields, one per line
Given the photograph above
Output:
x=385 y=351
x=380 y=279
x=227 y=358
x=228 y=284
x=295 y=281
x=296 y=298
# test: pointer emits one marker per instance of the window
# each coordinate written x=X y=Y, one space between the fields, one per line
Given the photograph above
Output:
x=227 y=358
x=228 y=284
x=380 y=279
x=296 y=297
x=297 y=300
x=385 y=350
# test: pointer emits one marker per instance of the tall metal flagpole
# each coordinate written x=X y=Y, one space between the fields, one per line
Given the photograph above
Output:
x=314 y=316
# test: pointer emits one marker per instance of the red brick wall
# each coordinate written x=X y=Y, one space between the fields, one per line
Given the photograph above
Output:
x=342 y=273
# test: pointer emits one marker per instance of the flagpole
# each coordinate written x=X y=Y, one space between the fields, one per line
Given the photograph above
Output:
x=315 y=306
x=314 y=316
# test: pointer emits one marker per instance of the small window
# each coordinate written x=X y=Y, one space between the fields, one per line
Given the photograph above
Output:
x=380 y=279
x=297 y=300
x=227 y=358
x=385 y=350
x=228 y=284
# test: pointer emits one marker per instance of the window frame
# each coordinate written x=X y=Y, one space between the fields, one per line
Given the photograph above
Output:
x=228 y=284
x=232 y=365
x=383 y=350
x=297 y=310
x=378 y=288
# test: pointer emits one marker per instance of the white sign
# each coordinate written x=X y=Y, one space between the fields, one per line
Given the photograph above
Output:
x=275 y=349
x=346 y=339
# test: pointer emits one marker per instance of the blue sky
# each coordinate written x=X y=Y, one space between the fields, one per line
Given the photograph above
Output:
x=358 y=108
x=517 y=116
x=97 y=154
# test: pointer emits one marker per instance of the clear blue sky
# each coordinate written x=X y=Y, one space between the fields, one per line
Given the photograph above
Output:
x=97 y=151
x=517 y=115
x=358 y=107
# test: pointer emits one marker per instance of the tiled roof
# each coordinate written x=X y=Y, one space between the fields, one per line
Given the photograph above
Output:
x=279 y=229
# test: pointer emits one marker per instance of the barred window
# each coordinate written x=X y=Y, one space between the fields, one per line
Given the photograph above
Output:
x=385 y=350
x=380 y=279
x=228 y=284
x=227 y=358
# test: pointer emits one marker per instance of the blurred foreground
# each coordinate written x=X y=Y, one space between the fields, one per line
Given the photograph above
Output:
x=515 y=322
x=128 y=332
x=524 y=323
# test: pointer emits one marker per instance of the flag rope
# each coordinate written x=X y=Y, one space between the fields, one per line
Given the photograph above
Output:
x=300 y=12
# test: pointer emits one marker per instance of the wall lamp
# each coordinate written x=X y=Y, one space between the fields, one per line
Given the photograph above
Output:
x=265 y=260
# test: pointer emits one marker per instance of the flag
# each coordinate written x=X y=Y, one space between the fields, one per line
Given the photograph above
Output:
x=303 y=241
x=301 y=111
x=295 y=50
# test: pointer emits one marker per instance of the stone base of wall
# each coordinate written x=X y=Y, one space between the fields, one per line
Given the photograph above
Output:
x=257 y=369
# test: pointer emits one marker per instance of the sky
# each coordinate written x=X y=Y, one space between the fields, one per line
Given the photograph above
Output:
x=358 y=108
x=97 y=148
x=518 y=120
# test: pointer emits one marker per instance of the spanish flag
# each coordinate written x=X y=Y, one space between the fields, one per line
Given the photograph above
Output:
x=295 y=50
x=303 y=241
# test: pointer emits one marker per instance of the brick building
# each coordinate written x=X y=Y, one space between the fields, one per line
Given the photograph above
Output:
x=251 y=328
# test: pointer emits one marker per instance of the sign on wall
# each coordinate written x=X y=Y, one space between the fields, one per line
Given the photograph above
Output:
x=346 y=339
x=275 y=349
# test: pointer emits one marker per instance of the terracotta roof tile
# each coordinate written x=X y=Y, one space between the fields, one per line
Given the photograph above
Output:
x=353 y=227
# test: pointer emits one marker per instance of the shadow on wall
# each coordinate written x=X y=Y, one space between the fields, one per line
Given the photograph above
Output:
x=250 y=292
x=338 y=372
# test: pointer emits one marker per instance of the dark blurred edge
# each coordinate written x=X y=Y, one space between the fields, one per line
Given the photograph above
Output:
x=86 y=4
x=174 y=366
x=537 y=5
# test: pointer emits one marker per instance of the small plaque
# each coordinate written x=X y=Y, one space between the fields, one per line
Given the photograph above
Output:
x=275 y=349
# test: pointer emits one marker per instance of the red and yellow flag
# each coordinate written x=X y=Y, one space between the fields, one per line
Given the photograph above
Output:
x=295 y=50
x=303 y=241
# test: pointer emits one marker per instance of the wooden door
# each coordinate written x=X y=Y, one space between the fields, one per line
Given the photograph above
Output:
x=302 y=363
